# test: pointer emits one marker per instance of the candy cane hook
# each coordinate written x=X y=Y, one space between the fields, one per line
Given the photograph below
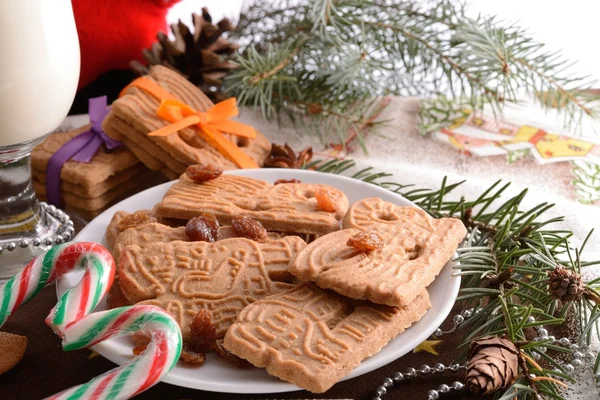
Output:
x=72 y=319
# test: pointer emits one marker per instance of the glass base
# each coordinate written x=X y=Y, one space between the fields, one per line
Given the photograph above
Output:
x=13 y=262
x=27 y=227
x=53 y=227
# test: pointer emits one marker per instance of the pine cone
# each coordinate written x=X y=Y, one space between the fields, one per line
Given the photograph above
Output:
x=198 y=56
x=284 y=157
x=493 y=364
x=565 y=285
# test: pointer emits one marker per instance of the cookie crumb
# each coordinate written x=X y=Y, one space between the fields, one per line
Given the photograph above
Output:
x=279 y=181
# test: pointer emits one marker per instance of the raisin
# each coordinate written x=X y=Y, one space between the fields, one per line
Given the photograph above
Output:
x=187 y=355
x=366 y=241
x=192 y=357
x=202 y=331
x=136 y=219
x=137 y=350
x=324 y=201
x=203 y=337
x=203 y=228
x=248 y=228
x=218 y=348
x=202 y=173
x=278 y=181
x=115 y=297
x=141 y=339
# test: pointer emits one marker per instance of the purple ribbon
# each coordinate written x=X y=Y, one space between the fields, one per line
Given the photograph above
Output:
x=81 y=148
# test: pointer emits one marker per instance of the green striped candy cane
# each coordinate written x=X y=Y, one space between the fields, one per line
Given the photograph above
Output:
x=72 y=319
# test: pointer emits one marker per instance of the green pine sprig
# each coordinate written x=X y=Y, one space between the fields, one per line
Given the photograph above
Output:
x=504 y=264
x=586 y=181
x=326 y=60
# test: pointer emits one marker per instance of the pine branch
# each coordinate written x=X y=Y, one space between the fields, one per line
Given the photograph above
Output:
x=338 y=54
x=475 y=83
x=256 y=79
x=586 y=181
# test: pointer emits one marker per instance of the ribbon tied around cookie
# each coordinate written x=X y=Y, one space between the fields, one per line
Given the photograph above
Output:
x=81 y=148
x=211 y=123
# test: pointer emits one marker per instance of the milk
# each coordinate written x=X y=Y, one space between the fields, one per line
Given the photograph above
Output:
x=39 y=67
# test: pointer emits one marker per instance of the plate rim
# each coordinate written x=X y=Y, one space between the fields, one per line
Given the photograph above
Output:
x=281 y=386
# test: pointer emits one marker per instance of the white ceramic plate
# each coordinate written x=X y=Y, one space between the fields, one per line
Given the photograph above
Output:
x=219 y=376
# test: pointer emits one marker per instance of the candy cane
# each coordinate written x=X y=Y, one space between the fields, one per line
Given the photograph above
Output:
x=73 y=321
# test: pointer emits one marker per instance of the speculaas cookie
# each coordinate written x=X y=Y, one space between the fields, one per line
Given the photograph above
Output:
x=134 y=115
x=95 y=205
x=312 y=337
x=138 y=171
x=416 y=247
x=153 y=232
x=12 y=350
x=147 y=234
x=100 y=168
x=88 y=188
x=223 y=277
x=283 y=208
x=113 y=230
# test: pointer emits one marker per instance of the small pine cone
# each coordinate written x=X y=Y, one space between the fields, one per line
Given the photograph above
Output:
x=493 y=364
x=200 y=52
x=565 y=285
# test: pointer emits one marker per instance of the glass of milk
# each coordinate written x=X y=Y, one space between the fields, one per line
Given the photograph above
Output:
x=39 y=71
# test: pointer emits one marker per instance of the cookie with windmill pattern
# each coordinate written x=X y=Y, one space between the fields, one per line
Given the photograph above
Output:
x=147 y=235
x=288 y=207
x=415 y=249
x=313 y=337
x=223 y=277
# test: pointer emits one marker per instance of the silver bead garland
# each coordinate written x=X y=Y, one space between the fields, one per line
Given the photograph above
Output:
x=424 y=370
x=581 y=357
x=65 y=231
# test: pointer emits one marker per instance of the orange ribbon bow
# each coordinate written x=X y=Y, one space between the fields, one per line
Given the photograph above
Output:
x=211 y=124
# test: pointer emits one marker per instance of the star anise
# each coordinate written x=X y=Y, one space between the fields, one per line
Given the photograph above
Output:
x=285 y=157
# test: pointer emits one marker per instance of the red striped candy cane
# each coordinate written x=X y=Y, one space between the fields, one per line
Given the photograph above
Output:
x=72 y=319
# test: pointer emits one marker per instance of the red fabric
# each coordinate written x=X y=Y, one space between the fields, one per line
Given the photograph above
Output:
x=114 y=32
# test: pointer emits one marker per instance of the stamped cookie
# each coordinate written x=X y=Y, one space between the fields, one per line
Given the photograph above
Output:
x=223 y=277
x=112 y=229
x=312 y=337
x=134 y=115
x=415 y=249
x=116 y=227
x=154 y=232
x=284 y=208
x=144 y=235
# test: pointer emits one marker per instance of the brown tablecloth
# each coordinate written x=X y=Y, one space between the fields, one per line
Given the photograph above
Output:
x=46 y=369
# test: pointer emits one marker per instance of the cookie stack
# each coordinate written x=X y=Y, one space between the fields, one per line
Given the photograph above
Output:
x=89 y=188
x=308 y=313
x=134 y=115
